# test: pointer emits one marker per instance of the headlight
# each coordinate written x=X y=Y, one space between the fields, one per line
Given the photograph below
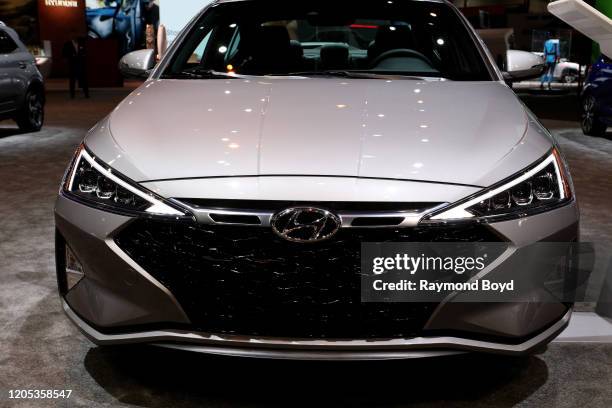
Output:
x=540 y=188
x=94 y=183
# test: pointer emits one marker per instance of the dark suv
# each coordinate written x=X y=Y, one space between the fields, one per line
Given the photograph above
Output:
x=597 y=98
x=22 y=95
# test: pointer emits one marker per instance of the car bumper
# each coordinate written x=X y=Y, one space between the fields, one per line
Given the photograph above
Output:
x=277 y=348
x=119 y=302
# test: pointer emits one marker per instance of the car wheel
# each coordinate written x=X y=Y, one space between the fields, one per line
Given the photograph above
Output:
x=32 y=114
x=569 y=77
x=591 y=125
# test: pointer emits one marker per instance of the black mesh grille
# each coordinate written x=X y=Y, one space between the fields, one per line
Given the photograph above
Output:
x=246 y=280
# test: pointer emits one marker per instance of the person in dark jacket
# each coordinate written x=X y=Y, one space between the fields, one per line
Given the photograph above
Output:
x=75 y=53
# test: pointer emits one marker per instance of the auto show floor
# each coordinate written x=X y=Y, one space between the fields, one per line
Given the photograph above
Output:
x=40 y=349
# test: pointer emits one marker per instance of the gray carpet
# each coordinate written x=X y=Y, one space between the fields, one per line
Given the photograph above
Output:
x=40 y=349
x=591 y=165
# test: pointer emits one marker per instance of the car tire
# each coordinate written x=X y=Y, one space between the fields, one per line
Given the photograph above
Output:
x=569 y=76
x=590 y=123
x=32 y=115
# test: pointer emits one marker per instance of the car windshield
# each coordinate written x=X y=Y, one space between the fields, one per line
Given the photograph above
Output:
x=335 y=38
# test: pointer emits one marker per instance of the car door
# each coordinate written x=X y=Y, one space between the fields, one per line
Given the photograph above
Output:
x=9 y=72
x=605 y=89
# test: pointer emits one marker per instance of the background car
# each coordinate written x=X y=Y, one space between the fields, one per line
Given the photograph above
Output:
x=565 y=71
x=124 y=18
x=597 y=98
x=530 y=65
x=22 y=95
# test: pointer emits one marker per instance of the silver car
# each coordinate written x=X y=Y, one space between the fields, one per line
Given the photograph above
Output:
x=221 y=207
x=22 y=94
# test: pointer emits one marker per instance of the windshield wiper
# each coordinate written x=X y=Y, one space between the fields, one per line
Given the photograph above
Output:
x=199 y=73
x=332 y=73
x=355 y=74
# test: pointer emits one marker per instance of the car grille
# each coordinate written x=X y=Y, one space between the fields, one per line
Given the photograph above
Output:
x=245 y=280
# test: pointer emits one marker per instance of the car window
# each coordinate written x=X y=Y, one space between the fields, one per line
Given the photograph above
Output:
x=196 y=56
x=233 y=46
x=7 y=45
x=378 y=37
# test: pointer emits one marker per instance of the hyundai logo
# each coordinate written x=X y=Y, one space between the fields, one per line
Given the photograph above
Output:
x=305 y=224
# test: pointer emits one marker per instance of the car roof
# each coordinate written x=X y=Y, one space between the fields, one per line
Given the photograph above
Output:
x=12 y=33
x=6 y=28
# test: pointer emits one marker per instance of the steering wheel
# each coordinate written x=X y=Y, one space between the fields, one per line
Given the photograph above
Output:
x=401 y=52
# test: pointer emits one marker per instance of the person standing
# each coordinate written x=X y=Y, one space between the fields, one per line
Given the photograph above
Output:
x=75 y=53
x=551 y=58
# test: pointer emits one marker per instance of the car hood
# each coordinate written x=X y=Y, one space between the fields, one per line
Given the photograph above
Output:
x=425 y=130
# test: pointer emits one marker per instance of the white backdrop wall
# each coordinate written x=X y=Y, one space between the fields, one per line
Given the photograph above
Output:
x=174 y=15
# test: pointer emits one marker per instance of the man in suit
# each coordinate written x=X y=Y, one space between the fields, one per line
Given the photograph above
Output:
x=75 y=53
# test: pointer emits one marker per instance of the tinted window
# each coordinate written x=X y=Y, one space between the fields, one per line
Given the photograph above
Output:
x=7 y=45
x=377 y=37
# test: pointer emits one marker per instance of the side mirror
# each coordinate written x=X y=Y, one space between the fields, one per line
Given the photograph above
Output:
x=137 y=64
x=522 y=65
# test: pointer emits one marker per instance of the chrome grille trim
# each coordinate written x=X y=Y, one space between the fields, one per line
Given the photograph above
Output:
x=410 y=218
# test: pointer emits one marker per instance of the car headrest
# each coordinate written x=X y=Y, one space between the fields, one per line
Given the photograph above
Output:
x=270 y=49
x=274 y=39
x=335 y=56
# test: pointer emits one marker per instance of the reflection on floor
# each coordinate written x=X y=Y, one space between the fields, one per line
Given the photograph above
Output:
x=587 y=327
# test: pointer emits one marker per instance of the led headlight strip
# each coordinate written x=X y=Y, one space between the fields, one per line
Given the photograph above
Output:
x=157 y=207
x=563 y=192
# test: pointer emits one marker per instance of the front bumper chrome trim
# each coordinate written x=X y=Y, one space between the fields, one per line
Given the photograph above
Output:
x=409 y=218
x=279 y=348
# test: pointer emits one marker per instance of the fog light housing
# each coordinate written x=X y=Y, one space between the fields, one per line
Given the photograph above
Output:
x=69 y=269
x=74 y=269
